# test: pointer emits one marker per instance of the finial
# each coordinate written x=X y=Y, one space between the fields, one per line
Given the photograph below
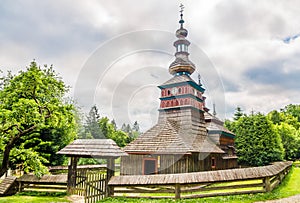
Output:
x=181 y=15
x=199 y=80
x=214 y=112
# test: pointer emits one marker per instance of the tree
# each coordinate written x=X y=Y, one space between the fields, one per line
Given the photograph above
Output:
x=231 y=125
x=135 y=130
x=113 y=122
x=285 y=116
x=293 y=110
x=92 y=128
x=32 y=107
x=290 y=141
x=121 y=138
x=257 y=142
x=238 y=113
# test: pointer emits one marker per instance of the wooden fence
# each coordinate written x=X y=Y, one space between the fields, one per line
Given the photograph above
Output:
x=201 y=184
x=90 y=184
x=49 y=183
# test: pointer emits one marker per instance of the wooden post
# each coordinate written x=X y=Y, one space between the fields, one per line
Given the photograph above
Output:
x=281 y=176
x=72 y=169
x=110 y=173
x=267 y=184
x=177 y=191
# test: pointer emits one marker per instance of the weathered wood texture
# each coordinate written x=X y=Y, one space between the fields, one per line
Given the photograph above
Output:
x=93 y=148
x=202 y=184
x=90 y=184
x=176 y=163
x=7 y=186
x=50 y=183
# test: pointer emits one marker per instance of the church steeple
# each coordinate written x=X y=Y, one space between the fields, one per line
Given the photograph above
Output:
x=182 y=64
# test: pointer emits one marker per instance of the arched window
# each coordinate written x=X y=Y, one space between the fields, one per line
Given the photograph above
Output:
x=169 y=92
x=179 y=90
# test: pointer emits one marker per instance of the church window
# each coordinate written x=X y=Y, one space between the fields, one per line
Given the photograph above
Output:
x=213 y=162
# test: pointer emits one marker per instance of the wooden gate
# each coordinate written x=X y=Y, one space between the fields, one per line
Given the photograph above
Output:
x=90 y=184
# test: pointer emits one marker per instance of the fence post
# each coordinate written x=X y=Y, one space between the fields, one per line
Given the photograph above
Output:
x=177 y=191
x=72 y=169
x=281 y=175
x=110 y=173
x=267 y=184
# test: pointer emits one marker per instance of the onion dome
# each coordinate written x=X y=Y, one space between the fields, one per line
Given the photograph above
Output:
x=182 y=64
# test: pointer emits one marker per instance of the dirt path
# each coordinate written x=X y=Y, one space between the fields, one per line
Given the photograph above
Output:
x=292 y=199
x=76 y=198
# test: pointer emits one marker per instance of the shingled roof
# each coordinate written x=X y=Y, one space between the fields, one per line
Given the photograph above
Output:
x=93 y=148
x=178 y=79
x=170 y=137
x=215 y=125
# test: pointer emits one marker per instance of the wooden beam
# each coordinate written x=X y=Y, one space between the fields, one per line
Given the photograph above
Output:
x=72 y=169
x=267 y=183
x=177 y=191
x=110 y=173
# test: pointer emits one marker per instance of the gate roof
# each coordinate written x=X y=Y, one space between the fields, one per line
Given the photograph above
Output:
x=93 y=148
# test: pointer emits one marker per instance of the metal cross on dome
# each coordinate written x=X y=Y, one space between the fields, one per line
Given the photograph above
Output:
x=181 y=15
x=181 y=8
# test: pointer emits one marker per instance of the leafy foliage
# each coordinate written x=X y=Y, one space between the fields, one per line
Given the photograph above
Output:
x=97 y=127
x=257 y=141
x=290 y=140
x=120 y=137
x=35 y=121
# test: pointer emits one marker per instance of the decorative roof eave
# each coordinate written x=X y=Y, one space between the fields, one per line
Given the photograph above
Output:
x=221 y=132
x=138 y=152
x=192 y=83
x=182 y=96
x=180 y=107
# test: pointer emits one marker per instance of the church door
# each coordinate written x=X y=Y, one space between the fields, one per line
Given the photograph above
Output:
x=149 y=166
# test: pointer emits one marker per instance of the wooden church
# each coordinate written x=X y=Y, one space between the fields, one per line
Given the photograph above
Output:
x=186 y=138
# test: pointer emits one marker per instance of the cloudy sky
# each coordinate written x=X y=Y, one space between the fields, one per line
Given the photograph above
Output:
x=115 y=53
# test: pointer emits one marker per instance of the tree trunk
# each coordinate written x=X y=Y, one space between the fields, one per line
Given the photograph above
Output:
x=10 y=145
x=4 y=166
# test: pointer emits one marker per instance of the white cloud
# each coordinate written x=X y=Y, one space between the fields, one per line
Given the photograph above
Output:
x=240 y=40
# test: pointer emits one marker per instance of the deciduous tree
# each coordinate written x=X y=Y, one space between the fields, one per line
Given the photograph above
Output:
x=33 y=114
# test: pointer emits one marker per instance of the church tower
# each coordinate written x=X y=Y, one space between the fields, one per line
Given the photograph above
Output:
x=181 y=97
x=179 y=142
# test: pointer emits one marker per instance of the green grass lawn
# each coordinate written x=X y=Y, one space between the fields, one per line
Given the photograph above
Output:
x=34 y=197
x=289 y=187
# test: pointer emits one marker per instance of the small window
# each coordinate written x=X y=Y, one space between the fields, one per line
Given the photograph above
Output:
x=213 y=162
x=179 y=90
x=169 y=92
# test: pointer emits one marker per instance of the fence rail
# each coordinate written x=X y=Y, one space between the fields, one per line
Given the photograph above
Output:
x=50 y=183
x=201 y=184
